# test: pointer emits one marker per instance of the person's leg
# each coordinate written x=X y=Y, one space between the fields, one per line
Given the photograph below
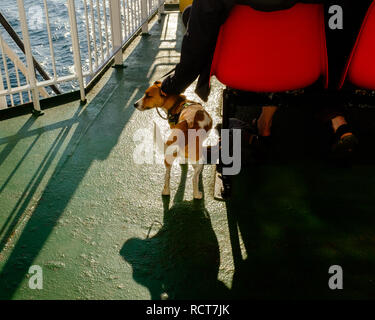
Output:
x=338 y=122
x=260 y=139
x=330 y=109
x=186 y=16
x=264 y=122
x=339 y=47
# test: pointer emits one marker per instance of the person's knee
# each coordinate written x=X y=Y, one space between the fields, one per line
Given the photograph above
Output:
x=186 y=15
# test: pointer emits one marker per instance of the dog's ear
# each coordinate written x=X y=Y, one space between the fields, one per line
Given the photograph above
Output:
x=163 y=93
x=158 y=84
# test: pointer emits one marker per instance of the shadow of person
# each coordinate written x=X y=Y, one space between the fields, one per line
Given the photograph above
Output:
x=181 y=261
x=296 y=221
x=279 y=234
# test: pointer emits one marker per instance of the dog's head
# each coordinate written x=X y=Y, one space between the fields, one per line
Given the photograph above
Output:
x=153 y=98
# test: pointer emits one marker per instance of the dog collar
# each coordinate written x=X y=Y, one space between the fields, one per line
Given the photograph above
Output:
x=174 y=117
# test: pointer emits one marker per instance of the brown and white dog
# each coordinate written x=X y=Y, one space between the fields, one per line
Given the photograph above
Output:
x=183 y=116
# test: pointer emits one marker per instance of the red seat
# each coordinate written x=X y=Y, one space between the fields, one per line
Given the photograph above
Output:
x=272 y=51
x=360 y=69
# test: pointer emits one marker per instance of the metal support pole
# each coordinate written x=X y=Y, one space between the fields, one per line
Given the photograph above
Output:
x=115 y=8
x=29 y=57
x=76 y=48
x=20 y=44
x=3 y=99
x=144 y=16
x=161 y=9
x=6 y=69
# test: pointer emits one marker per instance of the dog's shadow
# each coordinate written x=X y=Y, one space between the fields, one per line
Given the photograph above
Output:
x=181 y=261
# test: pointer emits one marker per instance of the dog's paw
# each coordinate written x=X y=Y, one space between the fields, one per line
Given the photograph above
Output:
x=166 y=192
x=198 y=195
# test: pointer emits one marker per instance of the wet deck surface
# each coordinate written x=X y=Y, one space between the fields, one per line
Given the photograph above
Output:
x=74 y=202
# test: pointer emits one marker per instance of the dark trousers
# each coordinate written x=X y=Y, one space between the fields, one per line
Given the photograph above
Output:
x=340 y=43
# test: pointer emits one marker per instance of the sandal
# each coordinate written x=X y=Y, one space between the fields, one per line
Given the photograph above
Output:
x=344 y=148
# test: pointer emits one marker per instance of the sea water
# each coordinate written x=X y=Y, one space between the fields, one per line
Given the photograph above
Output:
x=60 y=31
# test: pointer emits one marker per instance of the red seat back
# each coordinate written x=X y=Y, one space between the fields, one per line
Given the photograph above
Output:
x=271 y=51
x=360 y=69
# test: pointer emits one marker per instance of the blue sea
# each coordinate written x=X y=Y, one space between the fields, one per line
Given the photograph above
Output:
x=60 y=30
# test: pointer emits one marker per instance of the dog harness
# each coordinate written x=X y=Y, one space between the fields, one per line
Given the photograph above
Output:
x=174 y=117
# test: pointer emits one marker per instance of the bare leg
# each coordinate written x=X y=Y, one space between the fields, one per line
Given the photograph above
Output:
x=169 y=156
x=266 y=117
x=197 y=172
x=337 y=122
x=265 y=120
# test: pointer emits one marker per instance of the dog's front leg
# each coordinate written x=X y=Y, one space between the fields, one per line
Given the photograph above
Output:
x=169 y=157
x=167 y=179
x=198 y=167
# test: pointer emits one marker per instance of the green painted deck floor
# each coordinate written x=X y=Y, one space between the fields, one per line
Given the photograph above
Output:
x=73 y=201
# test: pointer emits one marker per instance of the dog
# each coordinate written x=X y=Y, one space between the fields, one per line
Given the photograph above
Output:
x=183 y=116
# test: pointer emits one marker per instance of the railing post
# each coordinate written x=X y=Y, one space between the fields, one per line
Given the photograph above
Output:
x=3 y=99
x=29 y=57
x=115 y=8
x=161 y=8
x=76 y=48
x=144 y=16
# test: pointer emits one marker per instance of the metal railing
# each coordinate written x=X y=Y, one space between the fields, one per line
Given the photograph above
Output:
x=98 y=30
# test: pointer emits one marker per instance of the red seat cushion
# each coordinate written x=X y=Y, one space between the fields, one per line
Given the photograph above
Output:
x=360 y=69
x=271 y=51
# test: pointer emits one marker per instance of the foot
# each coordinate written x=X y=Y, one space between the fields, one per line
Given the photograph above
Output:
x=338 y=122
x=345 y=142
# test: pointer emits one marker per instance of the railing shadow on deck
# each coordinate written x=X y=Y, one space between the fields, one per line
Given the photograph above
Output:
x=117 y=116
x=13 y=218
